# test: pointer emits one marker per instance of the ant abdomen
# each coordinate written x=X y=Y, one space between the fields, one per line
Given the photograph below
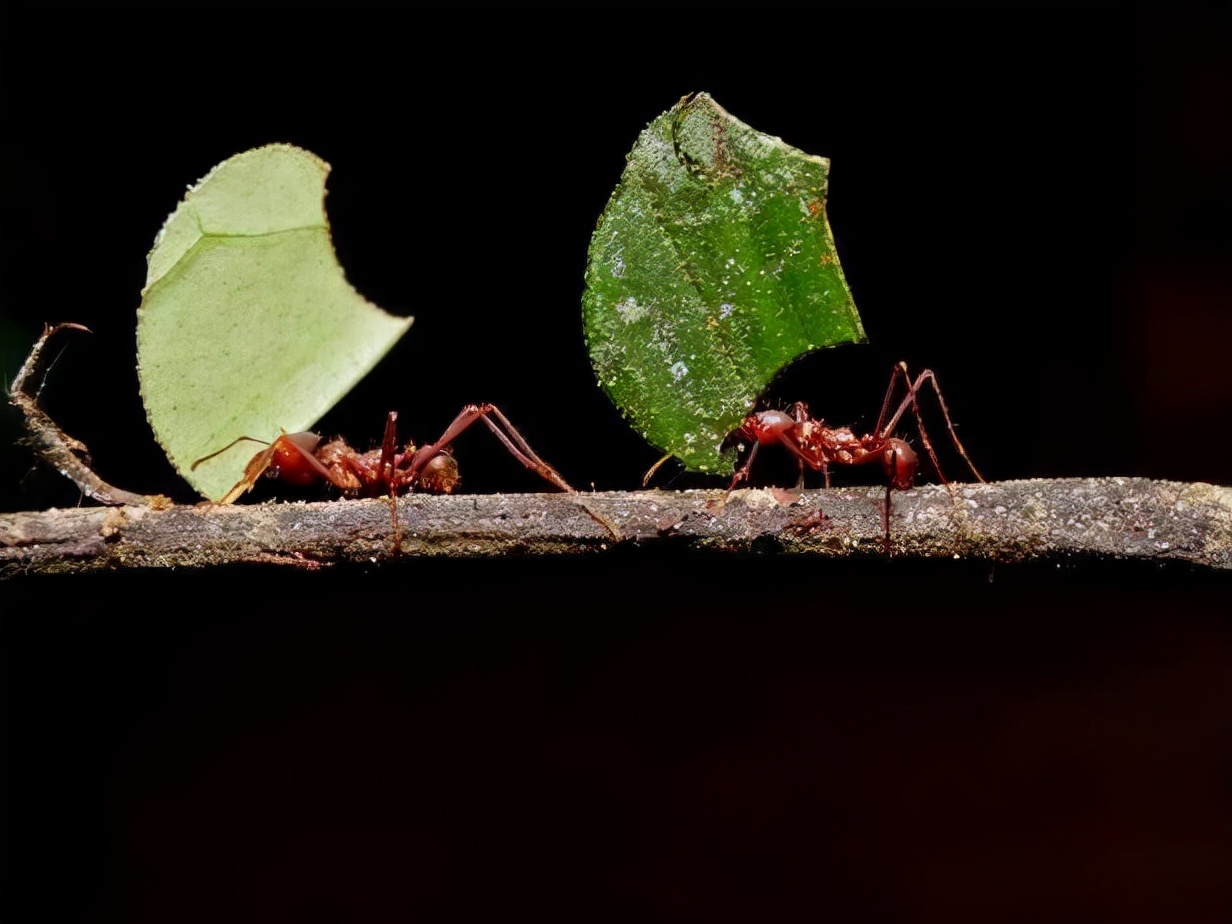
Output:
x=440 y=474
x=900 y=463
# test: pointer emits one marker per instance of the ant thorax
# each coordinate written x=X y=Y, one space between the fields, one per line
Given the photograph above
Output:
x=841 y=445
x=351 y=472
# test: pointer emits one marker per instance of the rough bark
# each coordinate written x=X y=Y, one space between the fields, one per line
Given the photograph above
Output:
x=1067 y=519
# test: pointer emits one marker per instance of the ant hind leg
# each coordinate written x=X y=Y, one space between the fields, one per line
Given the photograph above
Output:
x=911 y=400
x=504 y=431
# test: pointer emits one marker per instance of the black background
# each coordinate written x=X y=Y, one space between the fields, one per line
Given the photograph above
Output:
x=1033 y=200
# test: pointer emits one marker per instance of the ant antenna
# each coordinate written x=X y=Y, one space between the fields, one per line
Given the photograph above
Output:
x=650 y=472
x=219 y=452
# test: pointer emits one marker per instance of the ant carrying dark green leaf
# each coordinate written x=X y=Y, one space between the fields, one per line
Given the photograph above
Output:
x=819 y=447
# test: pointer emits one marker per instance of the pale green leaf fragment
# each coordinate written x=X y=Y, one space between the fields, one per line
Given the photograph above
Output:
x=247 y=325
x=712 y=267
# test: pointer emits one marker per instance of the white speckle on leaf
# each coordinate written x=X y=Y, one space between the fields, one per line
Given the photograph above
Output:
x=736 y=195
x=618 y=266
x=725 y=310
x=630 y=311
x=678 y=370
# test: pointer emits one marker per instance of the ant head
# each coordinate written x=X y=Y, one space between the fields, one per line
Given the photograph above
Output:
x=901 y=463
x=291 y=459
x=766 y=427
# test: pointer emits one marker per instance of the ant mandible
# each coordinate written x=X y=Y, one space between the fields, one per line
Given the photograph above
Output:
x=302 y=459
x=818 y=446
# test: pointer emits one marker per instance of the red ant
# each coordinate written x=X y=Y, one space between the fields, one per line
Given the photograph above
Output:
x=818 y=446
x=302 y=459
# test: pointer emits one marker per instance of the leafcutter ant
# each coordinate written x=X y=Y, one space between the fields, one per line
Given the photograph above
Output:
x=303 y=459
x=818 y=446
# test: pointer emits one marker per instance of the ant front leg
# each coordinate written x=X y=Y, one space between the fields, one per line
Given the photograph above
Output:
x=742 y=473
x=505 y=431
x=766 y=427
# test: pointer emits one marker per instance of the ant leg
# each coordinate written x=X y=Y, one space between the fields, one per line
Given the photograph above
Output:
x=883 y=427
x=255 y=468
x=389 y=453
x=817 y=465
x=389 y=450
x=742 y=473
x=508 y=434
x=504 y=431
x=928 y=376
x=886 y=515
x=799 y=413
x=911 y=400
x=802 y=458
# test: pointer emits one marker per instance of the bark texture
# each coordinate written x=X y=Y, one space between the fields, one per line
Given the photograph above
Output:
x=1013 y=521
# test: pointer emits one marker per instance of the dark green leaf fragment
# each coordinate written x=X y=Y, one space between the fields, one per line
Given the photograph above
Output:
x=711 y=268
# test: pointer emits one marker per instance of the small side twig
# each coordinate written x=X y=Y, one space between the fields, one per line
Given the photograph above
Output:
x=59 y=450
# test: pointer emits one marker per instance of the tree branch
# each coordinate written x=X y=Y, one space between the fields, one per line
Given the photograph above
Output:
x=1080 y=518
